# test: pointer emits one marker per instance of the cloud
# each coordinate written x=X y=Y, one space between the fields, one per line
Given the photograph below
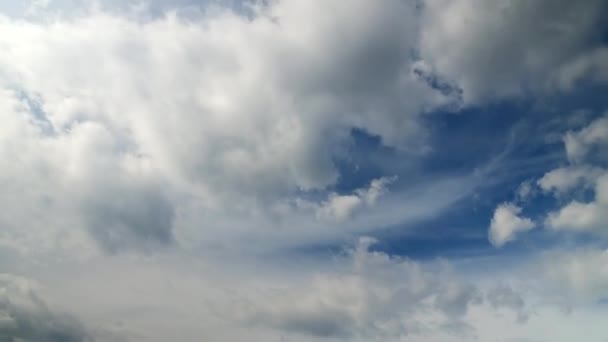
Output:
x=341 y=207
x=180 y=174
x=564 y=179
x=583 y=177
x=578 y=215
x=506 y=224
x=372 y=296
x=25 y=317
x=581 y=216
x=505 y=297
x=360 y=295
x=501 y=49
x=579 y=275
x=125 y=129
x=525 y=191
x=578 y=144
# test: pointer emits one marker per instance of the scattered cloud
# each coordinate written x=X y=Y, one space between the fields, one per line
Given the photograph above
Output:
x=187 y=170
x=502 y=49
x=507 y=223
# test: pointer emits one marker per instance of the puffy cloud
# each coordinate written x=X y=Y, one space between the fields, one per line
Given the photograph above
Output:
x=525 y=191
x=566 y=178
x=579 y=216
x=126 y=128
x=341 y=207
x=506 y=224
x=207 y=72
x=505 y=297
x=373 y=295
x=126 y=132
x=585 y=175
x=578 y=144
x=580 y=275
x=361 y=295
x=85 y=176
x=497 y=49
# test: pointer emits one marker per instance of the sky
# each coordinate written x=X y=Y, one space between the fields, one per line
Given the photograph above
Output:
x=304 y=170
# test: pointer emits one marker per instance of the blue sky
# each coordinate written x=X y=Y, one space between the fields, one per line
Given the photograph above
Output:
x=303 y=171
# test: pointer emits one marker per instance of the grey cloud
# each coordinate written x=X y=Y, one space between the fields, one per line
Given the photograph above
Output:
x=25 y=317
x=506 y=297
x=226 y=114
x=497 y=49
x=129 y=218
x=375 y=296
x=454 y=299
x=235 y=115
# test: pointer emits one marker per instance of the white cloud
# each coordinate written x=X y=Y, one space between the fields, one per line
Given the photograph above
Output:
x=341 y=207
x=566 y=178
x=497 y=49
x=128 y=127
x=375 y=295
x=506 y=224
x=580 y=275
x=156 y=171
x=590 y=216
x=525 y=191
x=578 y=144
x=579 y=216
x=358 y=295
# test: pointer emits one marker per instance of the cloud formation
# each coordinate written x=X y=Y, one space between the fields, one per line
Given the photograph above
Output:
x=224 y=112
x=507 y=223
x=502 y=49
x=187 y=170
x=374 y=296
x=24 y=316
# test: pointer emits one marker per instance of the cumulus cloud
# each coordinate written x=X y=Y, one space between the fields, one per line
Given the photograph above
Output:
x=580 y=275
x=140 y=120
x=498 y=49
x=127 y=130
x=361 y=295
x=505 y=297
x=507 y=223
x=564 y=179
x=589 y=216
x=578 y=144
x=584 y=216
x=372 y=296
x=341 y=207
x=203 y=146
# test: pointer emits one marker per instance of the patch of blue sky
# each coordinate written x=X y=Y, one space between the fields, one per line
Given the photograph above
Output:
x=508 y=144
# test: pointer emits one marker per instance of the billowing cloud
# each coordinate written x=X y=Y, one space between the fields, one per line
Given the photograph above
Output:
x=376 y=295
x=580 y=215
x=189 y=170
x=584 y=216
x=580 y=275
x=498 y=49
x=507 y=223
x=340 y=207
x=144 y=118
x=579 y=144
x=566 y=178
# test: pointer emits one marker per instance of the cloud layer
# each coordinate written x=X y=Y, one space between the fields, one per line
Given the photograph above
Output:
x=185 y=170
